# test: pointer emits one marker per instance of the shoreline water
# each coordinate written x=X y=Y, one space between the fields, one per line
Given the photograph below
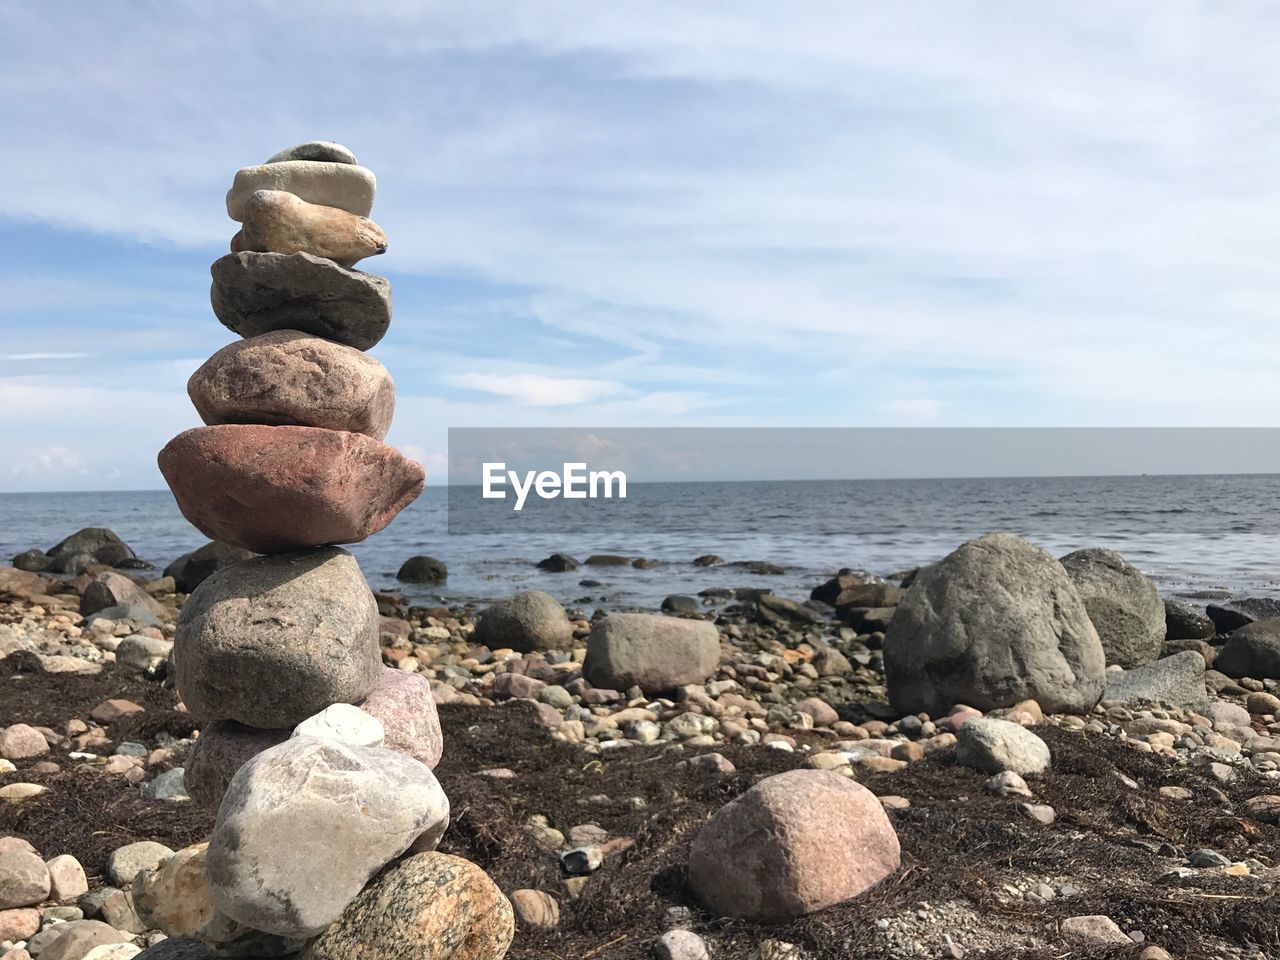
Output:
x=1196 y=537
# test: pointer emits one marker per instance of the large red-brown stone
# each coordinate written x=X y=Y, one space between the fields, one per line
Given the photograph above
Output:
x=276 y=489
x=288 y=377
x=794 y=843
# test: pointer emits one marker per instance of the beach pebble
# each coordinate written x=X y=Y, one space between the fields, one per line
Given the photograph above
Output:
x=143 y=654
x=22 y=742
x=535 y=909
x=680 y=945
x=995 y=622
x=67 y=878
x=128 y=861
x=176 y=898
x=73 y=940
x=794 y=843
x=111 y=589
x=422 y=569
x=528 y=621
x=324 y=150
x=167 y=785
x=24 y=878
x=257 y=293
x=113 y=951
x=1094 y=929
x=347 y=186
x=994 y=746
x=427 y=905
x=276 y=489
x=289 y=377
x=20 y=923
x=287 y=856
x=16 y=792
x=343 y=723
x=279 y=222
x=654 y=653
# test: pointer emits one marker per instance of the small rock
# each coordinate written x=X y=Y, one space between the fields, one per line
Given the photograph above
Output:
x=1094 y=929
x=581 y=861
x=67 y=879
x=535 y=909
x=24 y=878
x=168 y=785
x=680 y=945
x=994 y=746
x=343 y=723
x=128 y=861
x=22 y=742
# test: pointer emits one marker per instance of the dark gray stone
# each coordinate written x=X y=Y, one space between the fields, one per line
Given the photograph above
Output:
x=256 y=293
x=192 y=569
x=1252 y=651
x=1184 y=622
x=324 y=150
x=423 y=570
x=1234 y=614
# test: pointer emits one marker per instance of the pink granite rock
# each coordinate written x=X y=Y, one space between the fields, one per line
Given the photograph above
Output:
x=404 y=704
x=276 y=489
x=288 y=377
x=794 y=843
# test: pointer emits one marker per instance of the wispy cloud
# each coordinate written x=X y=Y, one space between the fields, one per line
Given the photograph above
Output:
x=46 y=356
x=535 y=390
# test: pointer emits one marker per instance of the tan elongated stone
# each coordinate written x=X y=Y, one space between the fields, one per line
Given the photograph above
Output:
x=276 y=221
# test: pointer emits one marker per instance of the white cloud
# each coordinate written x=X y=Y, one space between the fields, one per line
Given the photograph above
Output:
x=536 y=390
x=46 y=356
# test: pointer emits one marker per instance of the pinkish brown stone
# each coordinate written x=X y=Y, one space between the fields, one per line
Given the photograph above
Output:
x=276 y=489
x=276 y=221
x=794 y=843
x=404 y=704
x=289 y=377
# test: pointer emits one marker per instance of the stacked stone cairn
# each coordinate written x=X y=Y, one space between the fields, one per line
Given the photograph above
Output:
x=318 y=759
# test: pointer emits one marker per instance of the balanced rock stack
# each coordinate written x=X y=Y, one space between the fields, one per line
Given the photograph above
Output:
x=318 y=759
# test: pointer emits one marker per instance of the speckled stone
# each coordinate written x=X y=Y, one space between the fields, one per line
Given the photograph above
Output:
x=407 y=710
x=431 y=905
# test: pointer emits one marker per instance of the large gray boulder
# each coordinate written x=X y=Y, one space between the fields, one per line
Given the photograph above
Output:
x=1252 y=651
x=270 y=641
x=1176 y=680
x=256 y=293
x=651 y=652
x=1123 y=605
x=996 y=622
x=306 y=824
x=529 y=621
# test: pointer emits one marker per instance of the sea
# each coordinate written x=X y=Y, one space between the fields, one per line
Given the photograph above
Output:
x=1195 y=536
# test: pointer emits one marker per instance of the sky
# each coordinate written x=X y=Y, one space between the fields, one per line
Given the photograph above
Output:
x=655 y=214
